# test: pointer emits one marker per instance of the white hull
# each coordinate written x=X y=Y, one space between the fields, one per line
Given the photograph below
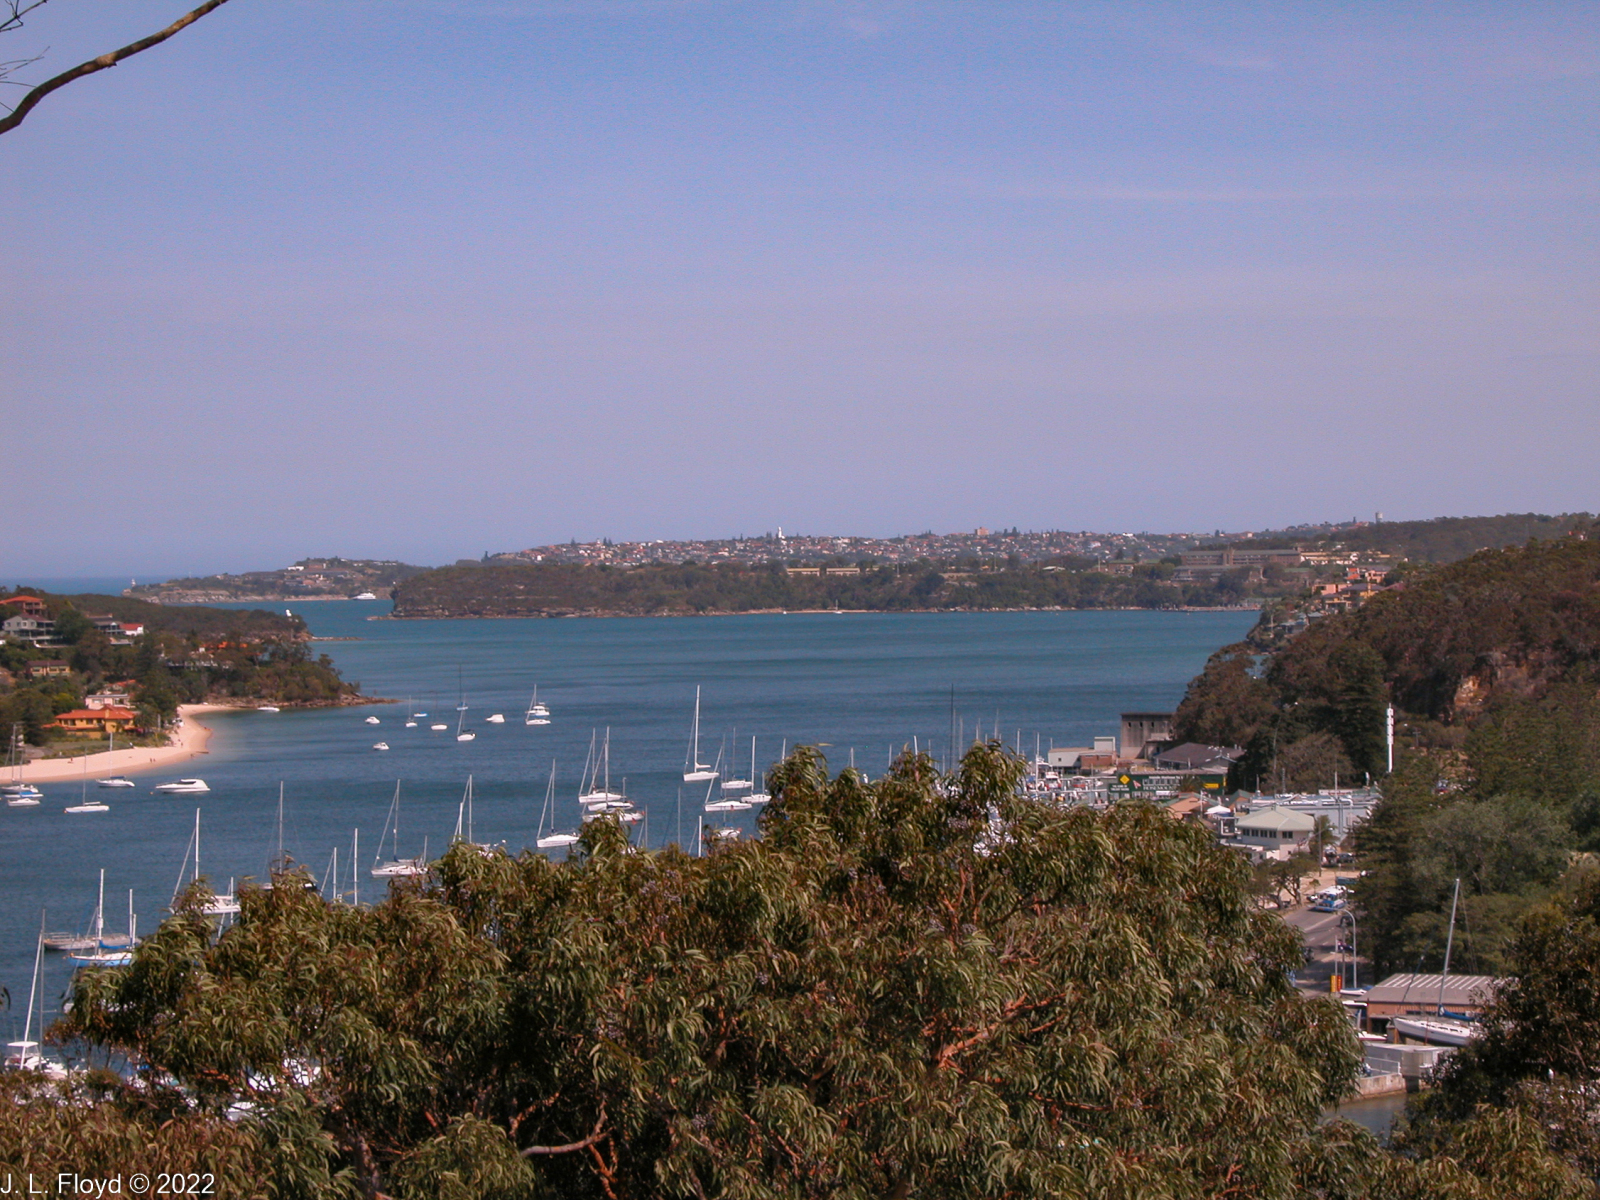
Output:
x=496 y=719
x=183 y=787
x=372 y=721
x=88 y=808
x=380 y=745
x=537 y=721
x=116 y=781
x=556 y=840
x=404 y=869
x=465 y=737
x=1439 y=1031
x=439 y=727
x=701 y=776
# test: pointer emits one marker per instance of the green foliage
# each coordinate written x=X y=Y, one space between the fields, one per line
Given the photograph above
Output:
x=553 y=589
x=924 y=986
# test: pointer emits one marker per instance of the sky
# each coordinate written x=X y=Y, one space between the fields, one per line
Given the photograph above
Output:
x=422 y=279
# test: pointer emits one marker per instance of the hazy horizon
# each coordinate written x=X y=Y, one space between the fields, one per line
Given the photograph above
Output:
x=418 y=281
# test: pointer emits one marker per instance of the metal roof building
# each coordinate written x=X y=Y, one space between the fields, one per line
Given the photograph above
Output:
x=1419 y=995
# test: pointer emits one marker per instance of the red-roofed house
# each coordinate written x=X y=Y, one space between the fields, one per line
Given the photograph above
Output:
x=95 y=720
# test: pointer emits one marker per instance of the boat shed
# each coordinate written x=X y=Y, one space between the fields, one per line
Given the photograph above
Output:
x=1419 y=995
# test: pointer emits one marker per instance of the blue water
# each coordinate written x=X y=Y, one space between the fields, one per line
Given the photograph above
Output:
x=861 y=683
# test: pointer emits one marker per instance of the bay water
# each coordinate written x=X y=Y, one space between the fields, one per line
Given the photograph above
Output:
x=859 y=685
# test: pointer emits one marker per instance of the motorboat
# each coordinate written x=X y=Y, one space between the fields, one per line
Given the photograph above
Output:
x=380 y=745
x=373 y=721
x=115 y=781
x=183 y=787
x=438 y=727
x=268 y=708
x=495 y=719
x=538 y=713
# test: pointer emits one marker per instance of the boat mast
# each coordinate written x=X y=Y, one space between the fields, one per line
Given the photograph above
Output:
x=33 y=991
x=1449 y=941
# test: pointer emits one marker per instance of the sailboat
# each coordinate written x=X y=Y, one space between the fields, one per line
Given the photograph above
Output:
x=221 y=904
x=101 y=956
x=549 y=841
x=461 y=736
x=25 y=1055
x=695 y=771
x=757 y=797
x=739 y=785
x=84 y=804
x=592 y=793
x=114 y=781
x=411 y=717
x=17 y=793
x=726 y=803
x=463 y=831
x=396 y=867
x=537 y=714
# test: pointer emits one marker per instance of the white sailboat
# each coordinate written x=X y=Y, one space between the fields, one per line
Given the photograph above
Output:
x=17 y=793
x=463 y=831
x=739 y=785
x=396 y=867
x=461 y=717
x=102 y=955
x=84 y=804
x=593 y=793
x=113 y=781
x=761 y=796
x=411 y=717
x=25 y=1055
x=551 y=840
x=695 y=771
x=221 y=904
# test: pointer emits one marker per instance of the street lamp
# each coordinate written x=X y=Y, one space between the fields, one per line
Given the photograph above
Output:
x=1349 y=916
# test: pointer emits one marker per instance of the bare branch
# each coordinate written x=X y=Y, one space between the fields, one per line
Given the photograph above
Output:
x=15 y=10
x=98 y=64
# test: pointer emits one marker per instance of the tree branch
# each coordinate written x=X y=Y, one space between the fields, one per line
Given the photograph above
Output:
x=599 y=1135
x=100 y=64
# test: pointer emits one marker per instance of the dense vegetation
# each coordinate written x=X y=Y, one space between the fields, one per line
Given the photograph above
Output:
x=545 y=589
x=1493 y=664
x=881 y=997
x=185 y=656
x=924 y=986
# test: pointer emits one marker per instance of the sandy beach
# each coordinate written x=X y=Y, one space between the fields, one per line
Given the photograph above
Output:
x=191 y=741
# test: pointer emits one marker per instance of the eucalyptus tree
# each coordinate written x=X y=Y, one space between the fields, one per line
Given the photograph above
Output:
x=927 y=985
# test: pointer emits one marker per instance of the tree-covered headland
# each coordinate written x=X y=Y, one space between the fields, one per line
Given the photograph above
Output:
x=186 y=655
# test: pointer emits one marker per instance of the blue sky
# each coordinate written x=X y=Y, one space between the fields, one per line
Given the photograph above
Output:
x=413 y=279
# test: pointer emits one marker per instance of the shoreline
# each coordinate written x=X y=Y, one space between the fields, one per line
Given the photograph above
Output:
x=191 y=741
x=612 y=614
